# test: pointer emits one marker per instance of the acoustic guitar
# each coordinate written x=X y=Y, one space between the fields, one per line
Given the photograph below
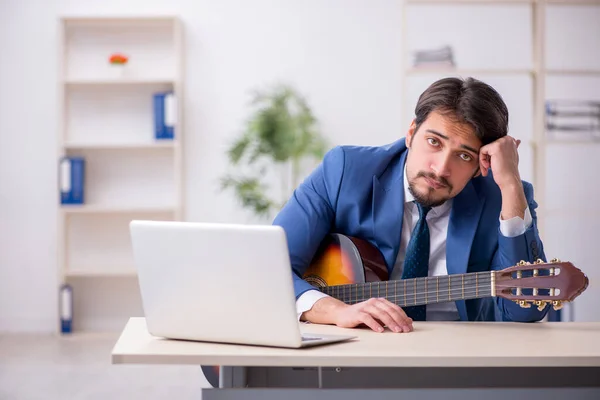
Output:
x=352 y=270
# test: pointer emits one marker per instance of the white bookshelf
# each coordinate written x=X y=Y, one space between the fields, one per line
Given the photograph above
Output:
x=531 y=51
x=107 y=117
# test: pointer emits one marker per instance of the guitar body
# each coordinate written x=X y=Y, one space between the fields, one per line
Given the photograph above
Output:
x=344 y=259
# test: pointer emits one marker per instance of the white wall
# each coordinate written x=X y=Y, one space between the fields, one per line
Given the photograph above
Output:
x=345 y=55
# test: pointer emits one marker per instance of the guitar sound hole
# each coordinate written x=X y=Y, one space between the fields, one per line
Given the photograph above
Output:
x=316 y=281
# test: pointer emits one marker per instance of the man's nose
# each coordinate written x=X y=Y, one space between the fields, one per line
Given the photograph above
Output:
x=441 y=166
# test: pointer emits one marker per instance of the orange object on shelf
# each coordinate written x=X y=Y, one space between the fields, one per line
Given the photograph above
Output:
x=118 y=58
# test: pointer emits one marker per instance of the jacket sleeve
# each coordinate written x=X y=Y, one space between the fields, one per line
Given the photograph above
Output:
x=308 y=215
x=511 y=250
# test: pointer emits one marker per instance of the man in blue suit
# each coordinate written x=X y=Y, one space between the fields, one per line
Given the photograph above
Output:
x=429 y=202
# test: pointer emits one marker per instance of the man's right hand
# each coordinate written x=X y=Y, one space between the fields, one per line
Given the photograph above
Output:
x=375 y=313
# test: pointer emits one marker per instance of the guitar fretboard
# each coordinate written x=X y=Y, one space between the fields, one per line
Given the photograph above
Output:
x=418 y=291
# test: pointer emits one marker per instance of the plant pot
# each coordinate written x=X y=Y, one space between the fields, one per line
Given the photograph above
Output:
x=118 y=71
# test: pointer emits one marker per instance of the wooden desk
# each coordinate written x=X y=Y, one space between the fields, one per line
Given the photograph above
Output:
x=461 y=355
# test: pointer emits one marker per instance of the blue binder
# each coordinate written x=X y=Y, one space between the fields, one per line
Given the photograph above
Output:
x=165 y=112
x=66 y=308
x=72 y=179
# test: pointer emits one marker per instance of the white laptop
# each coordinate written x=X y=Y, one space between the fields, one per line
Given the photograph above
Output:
x=224 y=283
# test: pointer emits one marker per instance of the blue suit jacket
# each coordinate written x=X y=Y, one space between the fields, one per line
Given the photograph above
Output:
x=359 y=191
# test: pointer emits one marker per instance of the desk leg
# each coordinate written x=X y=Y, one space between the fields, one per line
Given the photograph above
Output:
x=232 y=377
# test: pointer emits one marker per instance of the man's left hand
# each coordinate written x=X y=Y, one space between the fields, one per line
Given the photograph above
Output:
x=503 y=158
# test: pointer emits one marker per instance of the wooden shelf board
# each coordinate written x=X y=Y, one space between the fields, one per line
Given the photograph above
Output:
x=467 y=71
x=499 y=2
x=554 y=71
x=74 y=21
x=101 y=272
x=101 y=209
x=568 y=213
x=566 y=142
x=573 y=2
x=166 y=144
x=118 y=81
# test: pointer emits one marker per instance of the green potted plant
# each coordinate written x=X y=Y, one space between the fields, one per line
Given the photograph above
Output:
x=281 y=133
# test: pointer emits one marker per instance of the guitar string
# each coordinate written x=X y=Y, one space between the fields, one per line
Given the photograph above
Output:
x=399 y=284
x=426 y=296
x=457 y=283
x=411 y=292
x=443 y=279
x=422 y=295
x=458 y=286
x=410 y=289
x=409 y=298
x=410 y=283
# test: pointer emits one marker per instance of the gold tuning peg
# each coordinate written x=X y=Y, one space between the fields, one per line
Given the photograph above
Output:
x=557 y=305
x=540 y=304
x=522 y=262
x=539 y=261
x=555 y=260
x=524 y=304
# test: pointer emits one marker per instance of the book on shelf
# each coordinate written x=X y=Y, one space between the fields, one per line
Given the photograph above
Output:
x=165 y=115
x=573 y=119
x=72 y=180
x=434 y=58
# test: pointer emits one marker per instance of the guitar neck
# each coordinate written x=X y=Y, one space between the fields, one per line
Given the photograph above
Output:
x=418 y=291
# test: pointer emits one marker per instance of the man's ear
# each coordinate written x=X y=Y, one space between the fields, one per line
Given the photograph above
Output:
x=410 y=133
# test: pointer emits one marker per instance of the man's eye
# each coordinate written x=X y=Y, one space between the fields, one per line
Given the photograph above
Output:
x=432 y=141
x=466 y=157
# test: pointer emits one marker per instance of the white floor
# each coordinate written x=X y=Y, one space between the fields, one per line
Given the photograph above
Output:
x=51 y=367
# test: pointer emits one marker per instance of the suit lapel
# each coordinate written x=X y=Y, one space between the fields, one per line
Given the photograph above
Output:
x=388 y=210
x=464 y=218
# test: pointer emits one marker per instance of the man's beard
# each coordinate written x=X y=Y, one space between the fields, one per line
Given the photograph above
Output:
x=427 y=199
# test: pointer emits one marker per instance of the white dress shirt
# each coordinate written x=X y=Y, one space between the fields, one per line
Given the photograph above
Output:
x=437 y=220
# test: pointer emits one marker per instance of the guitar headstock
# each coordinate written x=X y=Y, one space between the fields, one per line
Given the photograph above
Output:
x=541 y=283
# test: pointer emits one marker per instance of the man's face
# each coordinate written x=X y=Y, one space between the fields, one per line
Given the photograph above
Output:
x=443 y=157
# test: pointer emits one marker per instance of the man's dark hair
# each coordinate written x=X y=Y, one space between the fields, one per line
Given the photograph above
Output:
x=467 y=100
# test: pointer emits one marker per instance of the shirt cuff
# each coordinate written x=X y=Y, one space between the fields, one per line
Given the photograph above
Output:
x=515 y=226
x=307 y=300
